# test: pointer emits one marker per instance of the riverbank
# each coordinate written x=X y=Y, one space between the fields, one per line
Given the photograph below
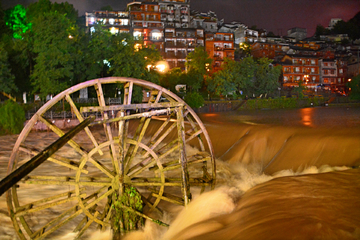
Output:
x=273 y=103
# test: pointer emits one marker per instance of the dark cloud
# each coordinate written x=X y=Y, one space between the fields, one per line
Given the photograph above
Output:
x=274 y=15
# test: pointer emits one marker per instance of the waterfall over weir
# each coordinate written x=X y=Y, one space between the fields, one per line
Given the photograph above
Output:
x=274 y=182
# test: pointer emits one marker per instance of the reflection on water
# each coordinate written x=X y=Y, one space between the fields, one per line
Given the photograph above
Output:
x=306 y=116
x=316 y=117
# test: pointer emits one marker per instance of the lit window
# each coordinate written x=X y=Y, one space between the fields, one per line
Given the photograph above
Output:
x=114 y=30
x=111 y=21
x=137 y=34
x=156 y=35
x=92 y=20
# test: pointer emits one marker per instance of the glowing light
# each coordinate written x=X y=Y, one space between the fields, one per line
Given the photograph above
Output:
x=137 y=47
x=162 y=66
x=114 y=30
x=111 y=21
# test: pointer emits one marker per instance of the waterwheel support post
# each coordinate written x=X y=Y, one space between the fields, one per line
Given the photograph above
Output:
x=182 y=155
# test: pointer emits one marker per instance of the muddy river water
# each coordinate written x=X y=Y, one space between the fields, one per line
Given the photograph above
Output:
x=282 y=174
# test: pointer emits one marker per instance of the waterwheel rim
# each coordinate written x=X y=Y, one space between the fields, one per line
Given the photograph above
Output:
x=105 y=179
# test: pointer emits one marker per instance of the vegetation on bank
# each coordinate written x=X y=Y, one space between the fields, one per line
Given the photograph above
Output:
x=12 y=118
x=283 y=102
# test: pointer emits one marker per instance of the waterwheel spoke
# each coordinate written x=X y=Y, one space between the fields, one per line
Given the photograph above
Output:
x=161 y=138
x=57 y=222
x=46 y=206
x=60 y=133
x=81 y=118
x=67 y=181
x=87 y=225
x=107 y=127
x=55 y=159
x=140 y=132
x=44 y=200
x=193 y=125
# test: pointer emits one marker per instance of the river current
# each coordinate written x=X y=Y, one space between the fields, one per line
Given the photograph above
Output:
x=281 y=174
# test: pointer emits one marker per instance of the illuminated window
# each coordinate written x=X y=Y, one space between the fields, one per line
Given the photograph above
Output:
x=111 y=21
x=114 y=30
x=137 y=34
x=92 y=20
x=156 y=35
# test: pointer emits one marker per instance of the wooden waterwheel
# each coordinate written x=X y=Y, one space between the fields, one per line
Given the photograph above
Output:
x=160 y=148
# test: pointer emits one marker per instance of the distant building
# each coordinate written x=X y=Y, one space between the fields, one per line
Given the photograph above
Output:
x=208 y=21
x=333 y=22
x=115 y=21
x=179 y=42
x=219 y=46
x=297 y=33
x=175 y=13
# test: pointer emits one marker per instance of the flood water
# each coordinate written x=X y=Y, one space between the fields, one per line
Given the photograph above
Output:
x=281 y=174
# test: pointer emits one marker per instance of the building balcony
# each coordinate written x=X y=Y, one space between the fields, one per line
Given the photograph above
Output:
x=169 y=34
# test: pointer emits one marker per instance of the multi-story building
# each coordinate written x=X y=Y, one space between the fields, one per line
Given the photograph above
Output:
x=341 y=74
x=115 y=21
x=175 y=13
x=146 y=22
x=219 y=46
x=303 y=68
x=208 y=21
x=297 y=33
x=329 y=73
x=179 y=42
x=268 y=50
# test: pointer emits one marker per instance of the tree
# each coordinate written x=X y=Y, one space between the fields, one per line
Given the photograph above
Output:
x=16 y=20
x=7 y=84
x=172 y=78
x=106 y=8
x=223 y=81
x=199 y=61
x=41 y=7
x=266 y=77
x=3 y=27
x=320 y=30
x=349 y=28
x=354 y=87
x=131 y=58
x=53 y=70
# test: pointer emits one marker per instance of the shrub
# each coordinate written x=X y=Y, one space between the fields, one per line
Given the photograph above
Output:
x=194 y=99
x=12 y=118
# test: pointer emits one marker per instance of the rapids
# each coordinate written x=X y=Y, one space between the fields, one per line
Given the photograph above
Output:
x=280 y=175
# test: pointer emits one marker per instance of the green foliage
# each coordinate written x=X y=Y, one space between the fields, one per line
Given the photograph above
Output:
x=270 y=103
x=53 y=70
x=354 y=87
x=266 y=78
x=16 y=20
x=12 y=118
x=199 y=61
x=7 y=84
x=131 y=61
x=172 y=78
x=125 y=220
x=194 y=99
x=41 y=7
x=106 y=8
x=248 y=76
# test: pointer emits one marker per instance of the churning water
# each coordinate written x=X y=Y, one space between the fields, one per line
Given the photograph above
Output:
x=293 y=176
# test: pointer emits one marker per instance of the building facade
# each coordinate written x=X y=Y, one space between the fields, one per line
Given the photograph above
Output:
x=219 y=46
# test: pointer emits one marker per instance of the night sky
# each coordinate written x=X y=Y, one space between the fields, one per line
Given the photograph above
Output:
x=274 y=15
